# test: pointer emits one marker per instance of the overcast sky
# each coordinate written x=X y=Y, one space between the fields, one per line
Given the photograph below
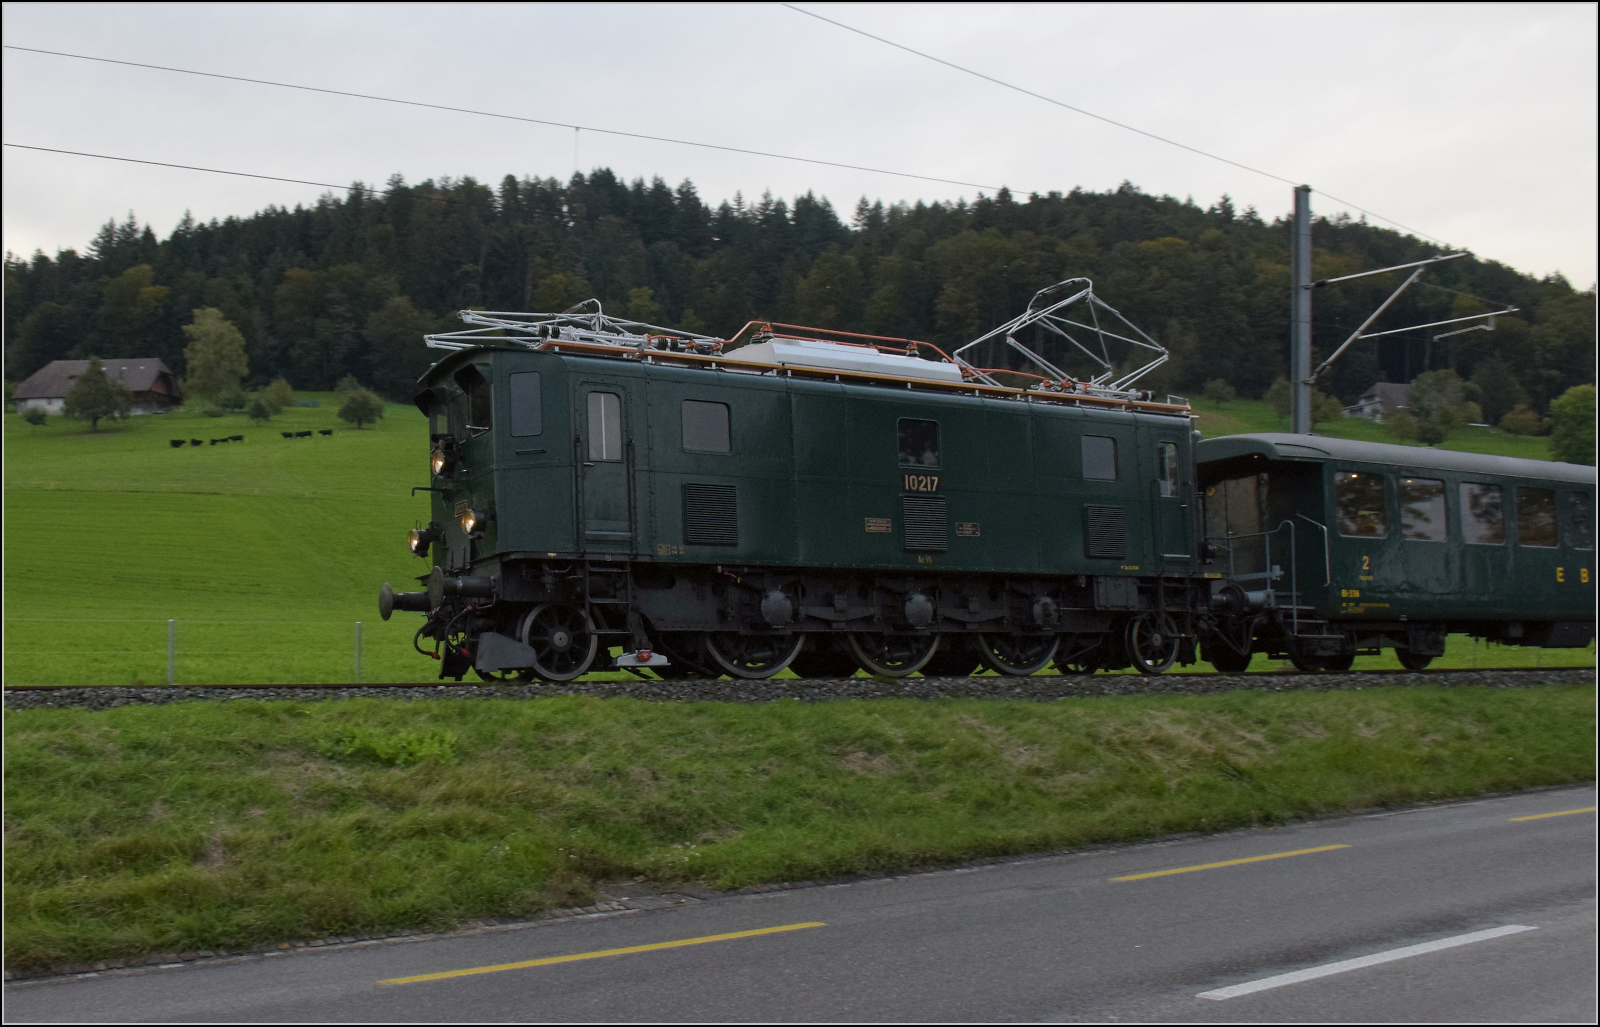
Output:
x=1474 y=124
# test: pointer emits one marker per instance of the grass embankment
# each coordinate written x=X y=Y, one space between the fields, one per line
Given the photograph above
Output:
x=202 y=825
x=267 y=552
x=1238 y=416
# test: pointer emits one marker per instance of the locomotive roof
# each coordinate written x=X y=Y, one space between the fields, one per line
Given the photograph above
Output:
x=1283 y=446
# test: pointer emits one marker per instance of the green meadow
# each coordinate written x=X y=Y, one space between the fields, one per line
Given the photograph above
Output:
x=266 y=553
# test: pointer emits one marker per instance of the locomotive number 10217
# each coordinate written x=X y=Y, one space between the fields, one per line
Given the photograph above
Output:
x=921 y=482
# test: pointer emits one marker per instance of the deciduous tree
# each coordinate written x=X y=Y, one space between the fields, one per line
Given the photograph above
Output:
x=215 y=355
x=94 y=395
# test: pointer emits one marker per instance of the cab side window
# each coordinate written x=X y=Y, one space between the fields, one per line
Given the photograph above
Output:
x=1536 y=517
x=478 y=408
x=705 y=427
x=1100 y=458
x=1582 y=519
x=1482 y=514
x=1167 y=468
x=1358 y=497
x=919 y=442
x=527 y=404
x=1422 y=513
x=605 y=426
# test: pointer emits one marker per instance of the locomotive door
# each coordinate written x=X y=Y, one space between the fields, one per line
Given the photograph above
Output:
x=604 y=456
x=1172 y=502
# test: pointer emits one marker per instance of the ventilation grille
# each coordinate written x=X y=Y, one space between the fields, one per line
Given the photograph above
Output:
x=1105 y=534
x=927 y=530
x=710 y=515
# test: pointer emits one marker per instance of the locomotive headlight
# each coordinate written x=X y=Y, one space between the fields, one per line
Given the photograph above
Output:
x=472 y=521
x=441 y=461
x=422 y=539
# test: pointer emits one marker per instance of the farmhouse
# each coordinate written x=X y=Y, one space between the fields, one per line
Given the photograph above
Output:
x=154 y=387
x=1382 y=399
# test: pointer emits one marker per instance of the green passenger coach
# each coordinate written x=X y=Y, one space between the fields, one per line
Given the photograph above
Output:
x=1397 y=546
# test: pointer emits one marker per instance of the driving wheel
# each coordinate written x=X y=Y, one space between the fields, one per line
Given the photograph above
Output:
x=1079 y=654
x=563 y=641
x=1017 y=655
x=893 y=655
x=1152 y=643
x=753 y=656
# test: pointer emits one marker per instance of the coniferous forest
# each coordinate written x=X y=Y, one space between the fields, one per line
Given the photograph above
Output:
x=348 y=286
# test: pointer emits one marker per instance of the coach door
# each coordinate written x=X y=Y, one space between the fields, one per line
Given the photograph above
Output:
x=605 y=458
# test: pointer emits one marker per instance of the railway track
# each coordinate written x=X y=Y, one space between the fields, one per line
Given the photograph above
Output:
x=1038 y=688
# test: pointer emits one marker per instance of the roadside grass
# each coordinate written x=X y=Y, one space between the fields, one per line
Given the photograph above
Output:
x=199 y=826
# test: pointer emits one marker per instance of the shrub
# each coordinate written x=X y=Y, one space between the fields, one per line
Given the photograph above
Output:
x=259 y=411
x=1220 y=391
x=277 y=395
x=34 y=416
x=1522 y=420
x=1572 y=425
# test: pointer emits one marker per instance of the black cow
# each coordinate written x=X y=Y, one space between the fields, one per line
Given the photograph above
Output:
x=325 y=431
x=302 y=435
x=197 y=442
x=215 y=441
x=176 y=443
x=287 y=434
x=236 y=438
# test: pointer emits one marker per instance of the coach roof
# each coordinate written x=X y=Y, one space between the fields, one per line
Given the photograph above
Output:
x=1282 y=446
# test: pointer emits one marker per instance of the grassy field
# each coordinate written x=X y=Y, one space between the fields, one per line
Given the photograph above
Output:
x=266 y=553
x=1253 y=416
x=204 y=825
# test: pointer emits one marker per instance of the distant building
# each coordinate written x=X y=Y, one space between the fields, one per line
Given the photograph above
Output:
x=154 y=387
x=1382 y=399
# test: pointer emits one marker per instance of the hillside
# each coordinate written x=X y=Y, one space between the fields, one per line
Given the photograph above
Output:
x=267 y=552
x=346 y=286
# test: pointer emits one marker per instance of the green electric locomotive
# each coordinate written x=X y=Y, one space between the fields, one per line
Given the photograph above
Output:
x=803 y=498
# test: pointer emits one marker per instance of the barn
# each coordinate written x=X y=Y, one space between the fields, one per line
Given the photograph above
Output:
x=153 y=385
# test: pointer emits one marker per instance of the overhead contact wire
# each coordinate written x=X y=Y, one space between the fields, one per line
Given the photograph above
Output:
x=503 y=117
x=1091 y=114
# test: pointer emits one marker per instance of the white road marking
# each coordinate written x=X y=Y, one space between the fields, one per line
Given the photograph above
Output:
x=1327 y=969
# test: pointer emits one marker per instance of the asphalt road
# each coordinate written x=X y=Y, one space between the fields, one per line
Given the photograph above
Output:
x=1130 y=934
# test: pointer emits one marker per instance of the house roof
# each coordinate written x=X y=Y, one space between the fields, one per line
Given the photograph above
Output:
x=1391 y=394
x=136 y=374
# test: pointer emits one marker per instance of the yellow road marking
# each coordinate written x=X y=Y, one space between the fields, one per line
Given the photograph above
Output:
x=548 y=960
x=1228 y=863
x=1563 y=813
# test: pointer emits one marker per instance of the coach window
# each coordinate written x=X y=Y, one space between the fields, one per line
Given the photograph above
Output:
x=1167 y=458
x=1359 y=498
x=527 y=404
x=1536 y=517
x=1582 y=534
x=1483 y=517
x=1422 y=514
x=1100 y=457
x=705 y=427
x=605 y=426
x=919 y=443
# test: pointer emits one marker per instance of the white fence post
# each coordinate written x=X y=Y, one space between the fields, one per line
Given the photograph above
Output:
x=171 y=647
x=358 y=652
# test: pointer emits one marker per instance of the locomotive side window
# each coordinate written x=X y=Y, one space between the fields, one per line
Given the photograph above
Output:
x=1359 y=498
x=527 y=404
x=705 y=427
x=605 y=426
x=1536 y=517
x=1582 y=534
x=479 y=404
x=919 y=443
x=1482 y=515
x=1422 y=513
x=1167 y=458
x=1100 y=458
